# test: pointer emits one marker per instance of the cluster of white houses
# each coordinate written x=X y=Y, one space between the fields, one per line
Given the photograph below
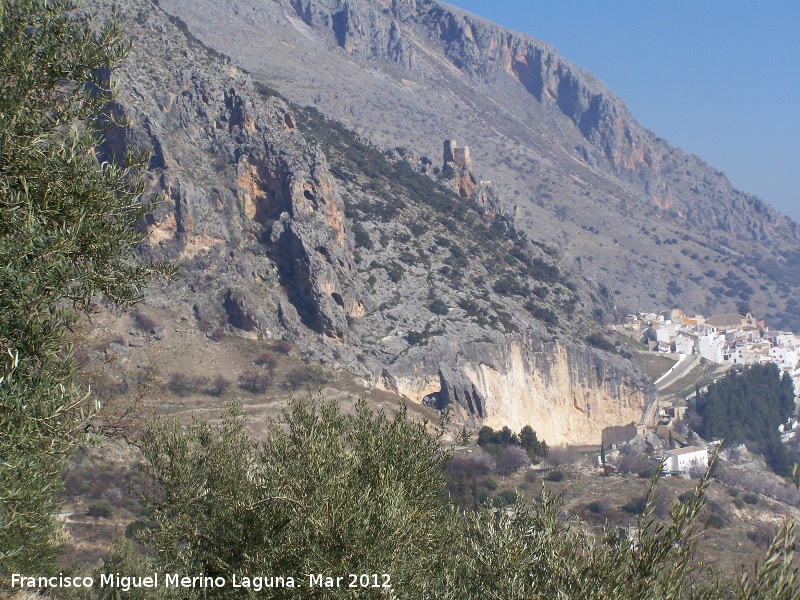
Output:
x=729 y=338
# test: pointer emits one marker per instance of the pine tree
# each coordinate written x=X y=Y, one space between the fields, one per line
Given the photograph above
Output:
x=529 y=440
x=750 y=407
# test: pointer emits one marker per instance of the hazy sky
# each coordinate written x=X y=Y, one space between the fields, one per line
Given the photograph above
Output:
x=717 y=78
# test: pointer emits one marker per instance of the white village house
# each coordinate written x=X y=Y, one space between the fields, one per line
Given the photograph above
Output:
x=682 y=460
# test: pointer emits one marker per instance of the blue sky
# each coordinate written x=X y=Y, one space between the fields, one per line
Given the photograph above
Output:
x=717 y=78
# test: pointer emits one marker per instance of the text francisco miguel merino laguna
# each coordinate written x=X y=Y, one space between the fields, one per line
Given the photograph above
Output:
x=177 y=581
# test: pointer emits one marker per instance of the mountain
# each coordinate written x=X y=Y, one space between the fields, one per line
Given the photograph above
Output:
x=308 y=196
x=574 y=169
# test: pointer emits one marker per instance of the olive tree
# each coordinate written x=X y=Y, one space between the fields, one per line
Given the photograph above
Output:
x=332 y=494
x=328 y=493
x=66 y=236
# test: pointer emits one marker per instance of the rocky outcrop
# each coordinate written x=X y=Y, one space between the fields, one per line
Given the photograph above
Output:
x=568 y=394
x=236 y=174
x=359 y=28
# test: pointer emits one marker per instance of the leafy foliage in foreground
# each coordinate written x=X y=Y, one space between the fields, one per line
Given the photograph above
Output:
x=336 y=494
x=66 y=235
x=331 y=494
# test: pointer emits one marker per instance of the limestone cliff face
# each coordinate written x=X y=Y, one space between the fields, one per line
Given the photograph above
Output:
x=568 y=394
x=237 y=174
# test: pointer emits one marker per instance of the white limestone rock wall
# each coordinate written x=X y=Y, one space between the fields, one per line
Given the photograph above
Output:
x=568 y=394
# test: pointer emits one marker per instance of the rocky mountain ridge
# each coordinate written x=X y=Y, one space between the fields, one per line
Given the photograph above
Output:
x=625 y=209
x=486 y=51
x=287 y=225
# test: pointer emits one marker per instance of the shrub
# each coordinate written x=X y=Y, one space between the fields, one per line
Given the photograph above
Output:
x=178 y=384
x=561 y=455
x=599 y=341
x=635 y=506
x=596 y=507
x=100 y=508
x=417 y=228
x=361 y=237
x=509 y=284
x=255 y=381
x=511 y=459
x=507 y=497
x=415 y=337
x=555 y=476
x=761 y=535
x=469 y=466
x=543 y=313
x=310 y=376
x=409 y=257
x=266 y=360
x=469 y=306
x=438 y=307
x=751 y=499
x=420 y=337
x=219 y=385
x=673 y=288
x=715 y=521
x=183 y=385
x=395 y=271
x=281 y=346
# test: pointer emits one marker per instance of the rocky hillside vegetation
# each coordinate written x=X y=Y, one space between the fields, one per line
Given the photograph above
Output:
x=570 y=166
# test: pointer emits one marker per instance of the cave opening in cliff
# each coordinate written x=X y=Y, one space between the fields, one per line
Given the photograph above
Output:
x=323 y=251
x=236 y=316
x=435 y=400
x=474 y=407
